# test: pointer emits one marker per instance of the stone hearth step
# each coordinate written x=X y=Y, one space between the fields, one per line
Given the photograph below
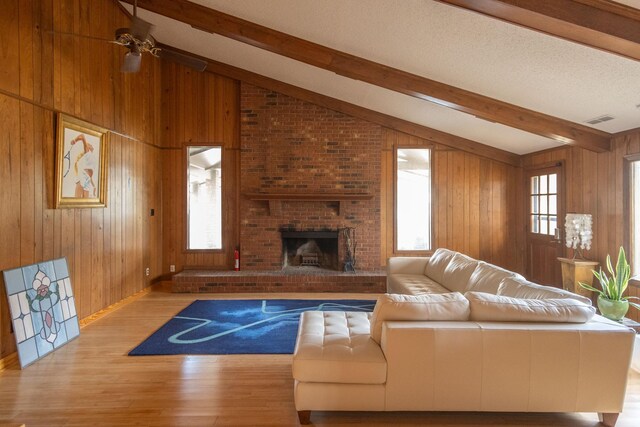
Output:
x=307 y=279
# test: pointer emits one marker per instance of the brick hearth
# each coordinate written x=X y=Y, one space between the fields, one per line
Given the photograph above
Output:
x=298 y=280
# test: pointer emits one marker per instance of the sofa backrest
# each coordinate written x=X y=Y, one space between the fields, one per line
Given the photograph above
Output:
x=486 y=307
x=487 y=278
x=450 y=306
x=520 y=288
x=457 y=272
x=437 y=263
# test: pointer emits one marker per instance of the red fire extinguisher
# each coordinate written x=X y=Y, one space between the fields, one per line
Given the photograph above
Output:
x=236 y=257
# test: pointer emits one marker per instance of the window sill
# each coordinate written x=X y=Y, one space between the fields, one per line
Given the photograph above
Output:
x=426 y=252
x=205 y=251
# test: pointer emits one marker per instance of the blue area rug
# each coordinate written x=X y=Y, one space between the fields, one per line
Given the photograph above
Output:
x=238 y=326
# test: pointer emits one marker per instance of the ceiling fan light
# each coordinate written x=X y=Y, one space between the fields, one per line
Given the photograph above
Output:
x=131 y=62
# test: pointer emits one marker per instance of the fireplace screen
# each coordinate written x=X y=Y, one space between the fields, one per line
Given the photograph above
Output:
x=310 y=249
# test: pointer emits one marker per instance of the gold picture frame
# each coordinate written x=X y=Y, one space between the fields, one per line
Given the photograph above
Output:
x=81 y=164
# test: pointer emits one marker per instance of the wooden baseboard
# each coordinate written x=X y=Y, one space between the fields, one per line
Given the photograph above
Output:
x=113 y=307
x=12 y=359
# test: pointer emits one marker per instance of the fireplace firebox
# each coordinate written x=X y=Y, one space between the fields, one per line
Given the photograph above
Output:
x=310 y=249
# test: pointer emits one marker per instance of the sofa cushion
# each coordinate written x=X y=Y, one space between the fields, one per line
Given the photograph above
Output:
x=451 y=306
x=437 y=263
x=457 y=273
x=487 y=277
x=413 y=284
x=496 y=308
x=520 y=288
x=335 y=347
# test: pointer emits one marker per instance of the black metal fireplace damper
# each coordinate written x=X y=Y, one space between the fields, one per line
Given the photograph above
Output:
x=311 y=249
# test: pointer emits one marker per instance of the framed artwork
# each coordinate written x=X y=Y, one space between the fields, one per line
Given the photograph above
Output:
x=81 y=164
x=42 y=307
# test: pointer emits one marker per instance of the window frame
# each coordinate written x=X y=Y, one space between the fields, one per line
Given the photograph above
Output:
x=419 y=252
x=628 y=207
x=558 y=193
x=185 y=199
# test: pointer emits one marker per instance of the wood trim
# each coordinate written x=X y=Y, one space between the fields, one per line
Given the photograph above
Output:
x=358 y=68
x=595 y=23
x=9 y=361
x=429 y=134
x=113 y=307
x=275 y=199
x=309 y=197
x=626 y=132
x=57 y=111
x=524 y=157
x=547 y=165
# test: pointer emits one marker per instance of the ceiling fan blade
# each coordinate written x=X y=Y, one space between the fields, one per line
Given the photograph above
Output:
x=131 y=62
x=140 y=28
x=181 y=58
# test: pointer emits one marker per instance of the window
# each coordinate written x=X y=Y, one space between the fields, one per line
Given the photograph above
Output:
x=204 y=198
x=635 y=216
x=544 y=204
x=413 y=199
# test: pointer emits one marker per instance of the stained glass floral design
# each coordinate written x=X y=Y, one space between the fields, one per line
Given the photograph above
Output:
x=42 y=308
x=42 y=298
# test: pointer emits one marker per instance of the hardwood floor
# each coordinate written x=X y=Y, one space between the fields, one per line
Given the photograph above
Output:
x=92 y=382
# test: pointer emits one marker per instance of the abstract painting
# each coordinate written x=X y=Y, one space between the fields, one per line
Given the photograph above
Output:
x=42 y=306
x=81 y=160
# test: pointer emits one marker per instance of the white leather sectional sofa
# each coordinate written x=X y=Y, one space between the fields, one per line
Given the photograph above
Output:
x=456 y=334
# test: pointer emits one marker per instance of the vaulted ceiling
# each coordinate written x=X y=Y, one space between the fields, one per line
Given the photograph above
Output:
x=435 y=65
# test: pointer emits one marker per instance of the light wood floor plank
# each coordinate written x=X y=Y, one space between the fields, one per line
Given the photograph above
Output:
x=92 y=382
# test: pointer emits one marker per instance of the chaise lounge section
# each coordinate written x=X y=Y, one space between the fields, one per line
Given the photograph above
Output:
x=456 y=334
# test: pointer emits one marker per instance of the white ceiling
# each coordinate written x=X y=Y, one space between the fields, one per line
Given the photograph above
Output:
x=437 y=41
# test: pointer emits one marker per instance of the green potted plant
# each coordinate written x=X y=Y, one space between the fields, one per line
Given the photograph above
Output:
x=611 y=302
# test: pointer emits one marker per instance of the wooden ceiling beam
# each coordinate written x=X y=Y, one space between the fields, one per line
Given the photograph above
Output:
x=612 y=27
x=354 y=67
x=429 y=134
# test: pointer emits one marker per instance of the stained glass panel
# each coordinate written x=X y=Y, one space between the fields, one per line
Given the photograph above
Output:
x=42 y=308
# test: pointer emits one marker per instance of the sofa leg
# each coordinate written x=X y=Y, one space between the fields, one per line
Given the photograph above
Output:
x=304 y=417
x=609 y=419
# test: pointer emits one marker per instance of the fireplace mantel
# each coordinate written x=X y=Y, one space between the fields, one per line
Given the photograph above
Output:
x=275 y=199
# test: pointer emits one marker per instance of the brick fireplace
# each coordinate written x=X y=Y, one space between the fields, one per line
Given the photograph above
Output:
x=290 y=147
x=306 y=174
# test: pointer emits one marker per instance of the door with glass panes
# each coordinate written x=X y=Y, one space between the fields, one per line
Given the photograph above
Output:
x=545 y=215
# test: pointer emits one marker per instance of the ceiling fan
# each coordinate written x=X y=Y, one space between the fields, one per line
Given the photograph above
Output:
x=138 y=40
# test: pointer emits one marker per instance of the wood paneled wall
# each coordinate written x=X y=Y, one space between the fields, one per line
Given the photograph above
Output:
x=594 y=185
x=198 y=109
x=473 y=200
x=55 y=57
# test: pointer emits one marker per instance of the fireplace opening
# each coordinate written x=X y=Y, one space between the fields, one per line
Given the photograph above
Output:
x=310 y=249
